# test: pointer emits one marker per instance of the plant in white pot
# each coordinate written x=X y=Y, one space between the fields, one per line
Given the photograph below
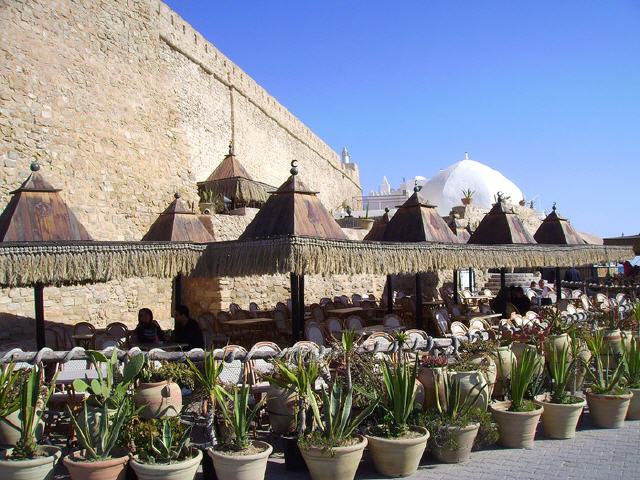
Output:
x=631 y=355
x=518 y=417
x=161 y=449
x=453 y=424
x=236 y=457
x=28 y=460
x=561 y=409
x=396 y=446
x=607 y=397
x=333 y=450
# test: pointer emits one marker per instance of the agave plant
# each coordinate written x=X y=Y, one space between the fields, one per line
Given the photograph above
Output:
x=468 y=193
x=451 y=406
x=604 y=379
x=560 y=367
x=522 y=375
x=631 y=356
x=9 y=386
x=399 y=381
x=238 y=416
x=109 y=390
x=169 y=444
x=33 y=396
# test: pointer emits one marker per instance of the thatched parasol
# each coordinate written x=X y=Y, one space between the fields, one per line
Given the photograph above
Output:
x=37 y=213
x=231 y=180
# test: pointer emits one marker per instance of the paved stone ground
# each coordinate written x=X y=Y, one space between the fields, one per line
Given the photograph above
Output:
x=594 y=454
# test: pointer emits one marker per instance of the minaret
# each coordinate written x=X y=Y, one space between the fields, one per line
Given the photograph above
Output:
x=345 y=156
x=385 y=187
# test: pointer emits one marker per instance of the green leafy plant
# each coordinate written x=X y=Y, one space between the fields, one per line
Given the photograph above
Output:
x=399 y=395
x=238 y=415
x=109 y=390
x=98 y=438
x=34 y=395
x=560 y=367
x=468 y=193
x=10 y=383
x=298 y=379
x=557 y=324
x=522 y=375
x=177 y=372
x=165 y=441
x=604 y=379
x=631 y=357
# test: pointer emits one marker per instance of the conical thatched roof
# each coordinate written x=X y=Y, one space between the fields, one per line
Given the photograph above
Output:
x=178 y=224
x=293 y=210
x=459 y=230
x=418 y=221
x=231 y=180
x=501 y=226
x=37 y=213
x=378 y=228
x=556 y=230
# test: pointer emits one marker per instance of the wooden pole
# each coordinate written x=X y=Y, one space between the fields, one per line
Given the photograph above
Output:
x=503 y=279
x=472 y=287
x=177 y=291
x=558 y=285
x=389 y=294
x=419 y=313
x=295 y=308
x=456 y=296
x=38 y=291
x=301 y=303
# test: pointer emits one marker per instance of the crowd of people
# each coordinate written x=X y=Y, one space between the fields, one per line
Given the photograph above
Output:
x=186 y=330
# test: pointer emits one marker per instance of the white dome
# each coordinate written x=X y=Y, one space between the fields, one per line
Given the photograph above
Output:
x=445 y=189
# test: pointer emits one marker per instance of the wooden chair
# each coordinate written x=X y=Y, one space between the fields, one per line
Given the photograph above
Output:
x=305 y=346
x=254 y=307
x=414 y=334
x=233 y=309
x=119 y=332
x=283 y=324
x=283 y=308
x=334 y=327
x=221 y=323
x=324 y=300
x=85 y=328
x=353 y=322
x=442 y=321
x=356 y=299
x=261 y=367
x=236 y=371
x=52 y=339
x=458 y=328
x=382 y=341
x=392 y=320
x=313 y=332
x=317 y=312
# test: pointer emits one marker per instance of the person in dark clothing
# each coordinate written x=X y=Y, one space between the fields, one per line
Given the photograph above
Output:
x=572 y=275
x=499 y=302
x=520 y=300
x=148 y=330
x=186 y=329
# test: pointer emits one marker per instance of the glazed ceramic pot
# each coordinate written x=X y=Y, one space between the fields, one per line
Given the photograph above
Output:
x=39 y=468
x=517 y=429
x=463 y=438
x=242 y=467
x=339 y=463
x=559 y=420
x=159 y=399
x=398 y=457
x=80 y=469
x=184 y=470
x=608 y=411
x=472 y=384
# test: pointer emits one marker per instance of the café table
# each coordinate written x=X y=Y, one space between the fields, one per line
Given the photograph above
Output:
x=378 y=328
x=344 y=312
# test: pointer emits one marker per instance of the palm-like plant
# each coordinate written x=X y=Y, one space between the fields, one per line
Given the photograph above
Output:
x=238 y=416
x=33 y=396
x=522 y=374
x=631 y=356
x=605 y=381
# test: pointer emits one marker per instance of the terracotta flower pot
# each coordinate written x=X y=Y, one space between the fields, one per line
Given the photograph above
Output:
x=559 y=420
x=427 y=377
x=184 y=470
x=504 y=360
x=339 y=463
x=80 y=469
x=39 y=468
x=466 y=201
x=159 y=399
x=241 y=467
x=398 y=457
x=608 y=411
x=281 y=410
x=463 y=437
x=517 y=429
x=633 y=413
x=471 y=384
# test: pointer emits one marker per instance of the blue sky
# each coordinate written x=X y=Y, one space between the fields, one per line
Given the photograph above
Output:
x=548 y=92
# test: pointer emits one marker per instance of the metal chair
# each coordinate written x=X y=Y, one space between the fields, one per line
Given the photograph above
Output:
x=119 y=332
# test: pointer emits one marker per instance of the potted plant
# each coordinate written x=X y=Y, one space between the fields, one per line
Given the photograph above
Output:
x=482 y=354
x=28 y=460
x=299 y=382
x=561 y=409
x=235 y=457
x=396 y=447
x=431 y=376
x=607 y=398
x=467 y=196
x=11 y=381
x=472 y=377
x=504 y=359
x=558 y=332
x=518 y=417
x=160 y=449
x=159 y=392
x=631 y=355
x=452 y=424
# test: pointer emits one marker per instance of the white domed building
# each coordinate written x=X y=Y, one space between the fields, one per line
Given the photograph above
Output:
x=445 y=189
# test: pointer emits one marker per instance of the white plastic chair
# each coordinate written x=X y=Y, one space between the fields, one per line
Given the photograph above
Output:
x=334 y=326
x=353 y=322
x=313 y=332
x=391 y=320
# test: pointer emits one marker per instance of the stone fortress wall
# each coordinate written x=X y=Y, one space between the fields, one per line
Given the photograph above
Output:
x=123 y=103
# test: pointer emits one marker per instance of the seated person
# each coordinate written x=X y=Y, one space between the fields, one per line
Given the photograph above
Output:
x=520 y=300
x=187 y=330
x=148 y=330
x=545 y=291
